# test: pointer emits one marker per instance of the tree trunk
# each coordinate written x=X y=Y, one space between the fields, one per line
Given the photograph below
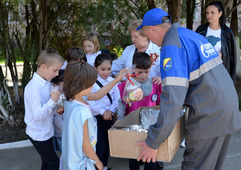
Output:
x=234 y=8
x=234 y=20
x=234 y=27
x=190 y=8
x=6 y=104
x=14 y=75
x=4 y=82
x=45 y=31
x=1 y=76
x=226 y=4
x=5 y=112
x=41 y=26
x=169 y=7
x=150 y=4
x=204 y=4
x=175 y=10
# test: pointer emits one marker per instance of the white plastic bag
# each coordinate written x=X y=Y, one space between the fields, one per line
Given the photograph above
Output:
x=132 y=91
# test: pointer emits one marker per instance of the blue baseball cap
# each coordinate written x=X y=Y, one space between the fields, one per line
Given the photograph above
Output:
x=153 y=17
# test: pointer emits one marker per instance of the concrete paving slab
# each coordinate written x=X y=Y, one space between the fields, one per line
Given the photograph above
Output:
x=27 y=158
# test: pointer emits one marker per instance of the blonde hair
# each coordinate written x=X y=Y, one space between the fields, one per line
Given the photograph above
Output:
x=49 y=57
x=94 y=39
x=134 y=25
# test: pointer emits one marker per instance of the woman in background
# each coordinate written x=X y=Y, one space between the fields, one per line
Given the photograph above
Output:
x=220 y=36
x=141 y=43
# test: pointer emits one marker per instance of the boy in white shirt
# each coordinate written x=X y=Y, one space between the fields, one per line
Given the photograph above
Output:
x=39 y=102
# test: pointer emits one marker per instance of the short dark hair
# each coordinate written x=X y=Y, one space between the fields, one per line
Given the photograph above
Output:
x=102 y=58
x=114 y=56
x=78 y=76
x=219 y=6
x=58 y=78
x=141 y=60
x=76 y=54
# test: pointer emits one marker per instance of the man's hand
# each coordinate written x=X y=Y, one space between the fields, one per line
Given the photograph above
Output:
x=147 y=154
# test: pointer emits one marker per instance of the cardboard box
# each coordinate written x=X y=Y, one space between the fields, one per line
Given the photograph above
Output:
x=122 y=142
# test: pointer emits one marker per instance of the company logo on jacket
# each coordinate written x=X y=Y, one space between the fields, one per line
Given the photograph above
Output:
x=167 y=63
x=207 y=49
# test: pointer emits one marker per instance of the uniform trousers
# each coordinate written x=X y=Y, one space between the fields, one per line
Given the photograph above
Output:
x=135 y=165
x=102 y=146
x=50 y=160
x=206 y=154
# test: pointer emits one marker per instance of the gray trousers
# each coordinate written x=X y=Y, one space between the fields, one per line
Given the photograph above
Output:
x=206 y=154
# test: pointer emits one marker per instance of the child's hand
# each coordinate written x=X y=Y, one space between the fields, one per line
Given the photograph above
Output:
x=107 y=115
x=55 y=95
x=157 y=80
x=99 y=165
x=124 y=72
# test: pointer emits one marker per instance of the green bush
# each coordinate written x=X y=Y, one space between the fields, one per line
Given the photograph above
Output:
x=118 y=50
x=18 y=58
x=23 y=137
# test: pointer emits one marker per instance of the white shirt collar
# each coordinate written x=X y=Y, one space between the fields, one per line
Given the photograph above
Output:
x=39 y=79
x=101 y=80
x=150 y=46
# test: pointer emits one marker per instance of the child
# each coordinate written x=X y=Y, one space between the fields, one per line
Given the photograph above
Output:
x=108 y=47
x=74 y=54
x=80 y=131
x=58 y=111
x=142 y=65
x=77 y=54
x=39 y=102
x=114 y=56
x=104 y=109
x=91 y=47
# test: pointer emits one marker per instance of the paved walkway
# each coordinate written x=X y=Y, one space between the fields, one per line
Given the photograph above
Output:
x=23 y=156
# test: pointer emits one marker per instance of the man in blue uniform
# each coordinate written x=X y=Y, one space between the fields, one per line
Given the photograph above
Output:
x=193 y=75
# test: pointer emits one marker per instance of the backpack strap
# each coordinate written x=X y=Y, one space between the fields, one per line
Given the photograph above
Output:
x=108 y=94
